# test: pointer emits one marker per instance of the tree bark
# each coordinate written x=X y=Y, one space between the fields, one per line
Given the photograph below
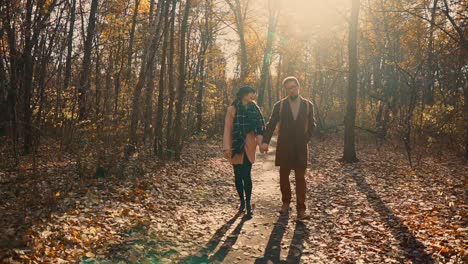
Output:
x=465 y=107
x=149 y=55
x=207 y=35
x=429 y=92
x=68 y=63
x=181 y=84
x=349 y=154
x=171 y=85
x=131 y=42
x=84 y=85
x=267 y=55
x=151 y=75
x=239 y=18
x=158 y=133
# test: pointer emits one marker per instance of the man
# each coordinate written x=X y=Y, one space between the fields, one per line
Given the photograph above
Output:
x=295 y=116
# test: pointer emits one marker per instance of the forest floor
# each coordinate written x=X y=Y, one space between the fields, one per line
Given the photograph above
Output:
x=378 y=210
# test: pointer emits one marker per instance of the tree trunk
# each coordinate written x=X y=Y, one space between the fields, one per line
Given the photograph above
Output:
x=181 y=84
x=349 y=154
x=429 y=92
x=84 y=85
x=108 y=85
x=68 y=63
x=199 y=104
x=131 y=41
x=158 y=133
x=465 y=107
x=267 y=55
x=97 y=82
x=171 y=85
x=206 y=42
x=239 y=18
x=149 y=55
x=151 y=75
x=117 y=83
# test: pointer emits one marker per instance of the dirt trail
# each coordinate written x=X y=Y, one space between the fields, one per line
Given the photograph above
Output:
x=368 y=212
x=267 y=237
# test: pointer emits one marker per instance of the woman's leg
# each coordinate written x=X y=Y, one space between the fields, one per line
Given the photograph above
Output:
x=247 y=178
x=238 y=171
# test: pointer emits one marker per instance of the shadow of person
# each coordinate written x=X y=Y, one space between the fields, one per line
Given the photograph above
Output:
x=413 y=249
x=202 y=255
x=222 y=252
x=273 y=248
x=296 y=247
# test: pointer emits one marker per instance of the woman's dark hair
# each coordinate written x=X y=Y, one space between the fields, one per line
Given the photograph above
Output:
x=246 y=89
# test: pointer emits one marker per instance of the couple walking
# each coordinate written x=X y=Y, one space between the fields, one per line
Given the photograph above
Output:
x=245 y=129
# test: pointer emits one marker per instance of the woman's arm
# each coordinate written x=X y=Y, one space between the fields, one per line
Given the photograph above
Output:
x=228 y=126
x=259 y=139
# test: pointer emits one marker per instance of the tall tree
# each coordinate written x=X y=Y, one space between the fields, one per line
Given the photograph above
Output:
x=150 y=51
x=429 y=92
x=171 y=87
x=274 y=10
x=158 y=130
x=151 y=74
x=240 y=14
x=84 y=85
x=71 y=29
x=132 y=40
x=206 y=32
x=349 y=154
x=181 y=85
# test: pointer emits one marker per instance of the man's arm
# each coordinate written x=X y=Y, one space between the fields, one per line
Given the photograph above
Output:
x=271 y=125
x=312 y=124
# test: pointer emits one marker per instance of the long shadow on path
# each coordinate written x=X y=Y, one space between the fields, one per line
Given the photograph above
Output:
x=273 y=248
x=296 y=247
x=228 y=243
x=413 y=249
x=202 y=255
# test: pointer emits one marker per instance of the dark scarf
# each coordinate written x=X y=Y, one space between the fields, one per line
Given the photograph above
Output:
x=248 y=118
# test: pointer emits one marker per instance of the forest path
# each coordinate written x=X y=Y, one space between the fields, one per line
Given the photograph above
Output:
x=378 y=210
x=268 y=237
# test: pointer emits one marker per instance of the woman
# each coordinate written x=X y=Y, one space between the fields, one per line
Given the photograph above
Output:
x=243 y=131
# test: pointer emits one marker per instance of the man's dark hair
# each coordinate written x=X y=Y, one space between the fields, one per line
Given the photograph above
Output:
x=290 y=79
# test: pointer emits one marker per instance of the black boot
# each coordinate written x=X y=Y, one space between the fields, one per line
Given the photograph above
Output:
x=249 y=210
x=242 y=207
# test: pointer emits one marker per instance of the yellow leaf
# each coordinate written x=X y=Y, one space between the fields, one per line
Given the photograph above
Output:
x=57 y=194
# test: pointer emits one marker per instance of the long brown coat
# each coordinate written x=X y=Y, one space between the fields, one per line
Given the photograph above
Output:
x=293 y=136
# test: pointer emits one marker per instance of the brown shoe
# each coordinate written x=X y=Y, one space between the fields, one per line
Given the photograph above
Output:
x=284 y=209
x=301 y=215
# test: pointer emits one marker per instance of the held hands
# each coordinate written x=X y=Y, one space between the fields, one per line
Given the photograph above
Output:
x=228 y=154
x=263 y=148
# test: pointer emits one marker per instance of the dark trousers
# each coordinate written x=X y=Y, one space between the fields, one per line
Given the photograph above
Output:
x=300 y=187
x=243 y=179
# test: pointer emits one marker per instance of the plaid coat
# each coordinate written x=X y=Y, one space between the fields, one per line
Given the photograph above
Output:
x=251 y=140
x=247 y=118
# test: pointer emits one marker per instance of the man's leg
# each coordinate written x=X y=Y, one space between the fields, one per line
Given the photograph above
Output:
x=301 y=189
x=285 y=188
